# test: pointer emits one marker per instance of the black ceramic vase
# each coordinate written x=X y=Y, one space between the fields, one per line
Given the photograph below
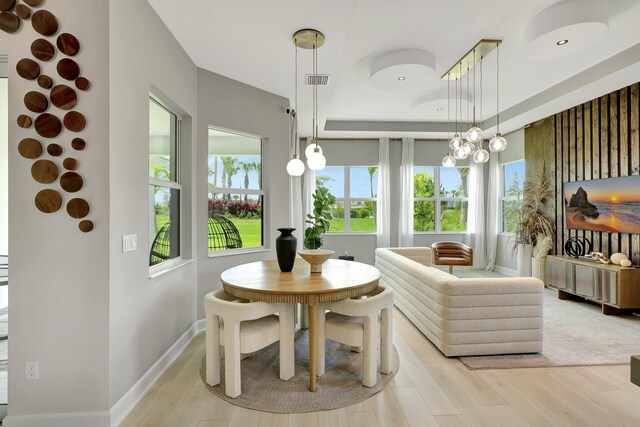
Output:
x=286 y=245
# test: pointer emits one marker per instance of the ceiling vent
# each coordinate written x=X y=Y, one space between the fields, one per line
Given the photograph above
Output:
x=317 y=79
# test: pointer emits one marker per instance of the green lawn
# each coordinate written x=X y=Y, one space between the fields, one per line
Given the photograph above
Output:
x=358 y=225
x=250 y=231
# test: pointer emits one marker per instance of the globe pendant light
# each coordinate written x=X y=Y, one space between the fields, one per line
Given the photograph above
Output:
x=295 y=166
x=498 y=143
x=456 y=142
x=448 y=161
x=481 y=155
x=474 y=134
x=460 y=154
x=312 y=39
x=469 y=148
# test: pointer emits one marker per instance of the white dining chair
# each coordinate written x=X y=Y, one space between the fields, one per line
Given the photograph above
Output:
x=365 y=322
x=244 y=327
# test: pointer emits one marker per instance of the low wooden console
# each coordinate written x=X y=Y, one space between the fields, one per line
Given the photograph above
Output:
x=616 y=288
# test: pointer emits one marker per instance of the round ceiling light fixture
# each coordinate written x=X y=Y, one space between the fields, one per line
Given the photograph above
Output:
x=403 y=68
x=584 y=22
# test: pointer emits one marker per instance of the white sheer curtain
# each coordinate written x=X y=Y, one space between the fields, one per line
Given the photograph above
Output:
x=476 y=228
x=493 y=199
x=295 y=200
x=405 y=232
x=309 y=187
x=383 y=209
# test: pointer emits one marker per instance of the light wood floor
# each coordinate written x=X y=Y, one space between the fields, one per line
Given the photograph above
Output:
x=429 y=390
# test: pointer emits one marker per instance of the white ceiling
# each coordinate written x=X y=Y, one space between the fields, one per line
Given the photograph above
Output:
x=250 y=41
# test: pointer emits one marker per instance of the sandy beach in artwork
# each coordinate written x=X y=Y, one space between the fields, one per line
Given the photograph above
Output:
x=578 y=220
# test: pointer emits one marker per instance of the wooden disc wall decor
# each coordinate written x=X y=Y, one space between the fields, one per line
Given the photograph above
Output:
x=70 y=164
x=48 y=201
x=74 y=121
x=23 y=11
x=44 y=171
x=78 y=208
x=48 y=125
x=68 y=69
x=83 y=83
x=43 y=50
x=78 y=144
x=24 y=121
x=36 y=102
x=45 y=81
x=85 y=226
x=44 y=22
x=9 y=23
x=30 y=148
x=71 y=182
x=68 y=44
x=7 y=4
x=62 y=96
x=28 y=69
x=54 y=150
x=34 y=3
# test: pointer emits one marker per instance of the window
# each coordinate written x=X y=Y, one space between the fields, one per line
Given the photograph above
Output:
x=355 y=189
x=164 y=184
x=512 y=183
x=236 y=197
x=444 y=210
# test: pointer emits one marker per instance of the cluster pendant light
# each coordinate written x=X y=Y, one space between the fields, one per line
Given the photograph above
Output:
x=306 y=39
x=473 y=144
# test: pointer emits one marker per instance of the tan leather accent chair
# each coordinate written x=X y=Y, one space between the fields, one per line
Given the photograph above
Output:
x=451 y=253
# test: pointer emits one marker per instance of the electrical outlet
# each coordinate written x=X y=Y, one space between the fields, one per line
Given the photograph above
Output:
x=32 y=370
x=129 y=242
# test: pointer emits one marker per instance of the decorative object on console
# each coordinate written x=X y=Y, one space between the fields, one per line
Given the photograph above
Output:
x=617 y=258
x=539 y=261
x=577 y=246
x=312 y=39
x=320 y=219
x=286 y=245
x=625 y=263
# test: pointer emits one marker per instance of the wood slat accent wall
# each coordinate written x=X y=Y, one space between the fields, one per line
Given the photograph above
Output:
x=597 y=139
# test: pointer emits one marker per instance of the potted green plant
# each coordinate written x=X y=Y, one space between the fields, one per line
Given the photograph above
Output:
x=534 y=223
x=319 y=220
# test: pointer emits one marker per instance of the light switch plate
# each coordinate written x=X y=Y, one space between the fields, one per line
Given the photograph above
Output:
x=129 y=242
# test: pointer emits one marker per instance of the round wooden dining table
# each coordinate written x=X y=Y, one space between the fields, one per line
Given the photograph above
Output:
x=339 y=280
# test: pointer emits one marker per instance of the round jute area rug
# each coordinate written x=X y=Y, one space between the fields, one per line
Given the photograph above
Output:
x=263 y=390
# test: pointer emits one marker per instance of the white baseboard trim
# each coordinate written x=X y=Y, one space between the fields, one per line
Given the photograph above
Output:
x=505 y=270
x=130 y=399
x=71 y=419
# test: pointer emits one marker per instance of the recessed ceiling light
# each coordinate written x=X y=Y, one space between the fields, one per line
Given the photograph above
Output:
x=401 y=78
x=561 y=42
x=439 y=109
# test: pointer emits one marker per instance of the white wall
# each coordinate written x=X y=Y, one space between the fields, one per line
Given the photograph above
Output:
x=146 y=315
x=229 y=104
x=59 y=294
x=4 y=166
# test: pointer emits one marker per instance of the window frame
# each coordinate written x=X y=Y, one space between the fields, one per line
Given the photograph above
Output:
x=438 y=199
x=347 y=199
x=260 y=192
x=170 y=264
x=503 y=198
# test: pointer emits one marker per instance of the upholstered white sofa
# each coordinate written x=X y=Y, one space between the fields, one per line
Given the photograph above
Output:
x=464 y=317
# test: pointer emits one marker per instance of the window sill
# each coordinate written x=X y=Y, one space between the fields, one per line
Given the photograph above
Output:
x=350 y=234
x=162 y=269
x=439 y=232
x=232 y=252
x=506 y=234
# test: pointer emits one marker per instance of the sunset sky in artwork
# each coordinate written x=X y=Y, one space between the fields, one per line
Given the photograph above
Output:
x=621 y=189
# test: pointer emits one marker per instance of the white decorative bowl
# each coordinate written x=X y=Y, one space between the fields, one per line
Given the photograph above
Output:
x=316 y=257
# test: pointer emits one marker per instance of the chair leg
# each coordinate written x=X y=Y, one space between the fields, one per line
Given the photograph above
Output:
x=212 y=348
x=320 y=342
x=232 y=358
x=304 y=316
x=386 y=340
x=287 y=354
x=451 y=269
x=371 y=336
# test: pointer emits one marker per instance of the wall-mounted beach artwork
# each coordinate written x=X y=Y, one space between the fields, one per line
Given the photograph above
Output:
x=611 y=204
